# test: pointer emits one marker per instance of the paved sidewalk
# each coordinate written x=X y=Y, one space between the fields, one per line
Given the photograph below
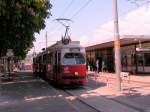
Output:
x=103 y=103
x=134 y=96
x=140 y=78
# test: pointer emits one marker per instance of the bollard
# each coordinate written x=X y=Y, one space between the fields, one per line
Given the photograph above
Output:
x=121 y=80
x=96 y=77
x=107 y=80
x=129 y=78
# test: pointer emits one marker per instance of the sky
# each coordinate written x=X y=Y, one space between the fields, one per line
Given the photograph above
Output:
x=92 y=21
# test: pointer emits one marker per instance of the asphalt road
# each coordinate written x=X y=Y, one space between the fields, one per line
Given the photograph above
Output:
x=29 y=94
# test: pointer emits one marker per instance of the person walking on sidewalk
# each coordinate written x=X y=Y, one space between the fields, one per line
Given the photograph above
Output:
x=104 y=68
x=97 y=66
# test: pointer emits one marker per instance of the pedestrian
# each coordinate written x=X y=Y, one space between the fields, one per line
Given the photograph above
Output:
x=92 y=65
x=97 y=65
x=104 y=69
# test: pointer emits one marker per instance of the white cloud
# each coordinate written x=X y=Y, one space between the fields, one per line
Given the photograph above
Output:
x=40 y=42
x=84 y=41
x=136 y=22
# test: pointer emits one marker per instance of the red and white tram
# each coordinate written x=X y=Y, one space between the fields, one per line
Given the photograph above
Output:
x=63 y=63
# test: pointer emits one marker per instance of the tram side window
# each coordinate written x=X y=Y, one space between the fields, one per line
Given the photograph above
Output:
x=44 y=58
x=147 y=59
x=73 y=58
x=48 y=58
x=59 y=58
x=34 y=60
x=140 y=60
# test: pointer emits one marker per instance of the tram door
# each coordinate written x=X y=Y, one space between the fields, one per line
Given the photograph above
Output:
x=57 y=65
x=55 y=69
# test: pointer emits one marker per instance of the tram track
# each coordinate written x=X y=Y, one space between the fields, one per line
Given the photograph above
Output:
x=128 y=105
x=83 y=102
x=78 y=105
x=69 y=92
x=122 y=103
x=137 y=109
x=92 y=108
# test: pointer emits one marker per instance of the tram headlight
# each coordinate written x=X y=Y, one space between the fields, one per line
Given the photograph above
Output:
x=76 y=73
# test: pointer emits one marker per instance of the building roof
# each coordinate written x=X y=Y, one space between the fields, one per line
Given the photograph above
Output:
x=124 y=40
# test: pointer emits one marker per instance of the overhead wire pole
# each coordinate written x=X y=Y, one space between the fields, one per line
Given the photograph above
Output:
x=46 y=40
x=117 y=46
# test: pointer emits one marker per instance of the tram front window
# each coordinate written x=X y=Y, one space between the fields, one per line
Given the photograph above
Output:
x=73 y=58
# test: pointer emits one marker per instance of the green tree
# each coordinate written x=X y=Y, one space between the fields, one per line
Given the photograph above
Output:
x=19 y=21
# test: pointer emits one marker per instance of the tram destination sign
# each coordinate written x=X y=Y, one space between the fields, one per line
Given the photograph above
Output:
x=143 y=49
x=74 y=49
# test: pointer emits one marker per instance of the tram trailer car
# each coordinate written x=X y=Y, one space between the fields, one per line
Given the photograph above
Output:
x=62 y=64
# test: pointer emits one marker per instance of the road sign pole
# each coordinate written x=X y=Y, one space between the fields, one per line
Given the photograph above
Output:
x=9 y=54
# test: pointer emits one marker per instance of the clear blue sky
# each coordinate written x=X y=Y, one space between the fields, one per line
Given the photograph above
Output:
x=96 y=13
x=93 y=15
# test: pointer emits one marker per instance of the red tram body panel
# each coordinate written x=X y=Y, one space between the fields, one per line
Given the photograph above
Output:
x=62 y=64
x=74 y=74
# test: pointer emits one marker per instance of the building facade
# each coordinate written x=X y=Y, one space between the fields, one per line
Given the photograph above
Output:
x=135 y=55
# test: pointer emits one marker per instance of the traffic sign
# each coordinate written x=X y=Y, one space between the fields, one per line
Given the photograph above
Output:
x=9 y=52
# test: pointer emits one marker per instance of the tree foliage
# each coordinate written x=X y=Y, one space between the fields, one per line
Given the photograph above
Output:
x=19 y=21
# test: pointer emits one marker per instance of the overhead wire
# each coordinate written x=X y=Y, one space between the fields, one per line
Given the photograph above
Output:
x=75 y=14
x=137 y=2
x=80 y=9
x=64 y=11
x=66 y=8
x=140 y=3
x=86 y=4
x=121 y=16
